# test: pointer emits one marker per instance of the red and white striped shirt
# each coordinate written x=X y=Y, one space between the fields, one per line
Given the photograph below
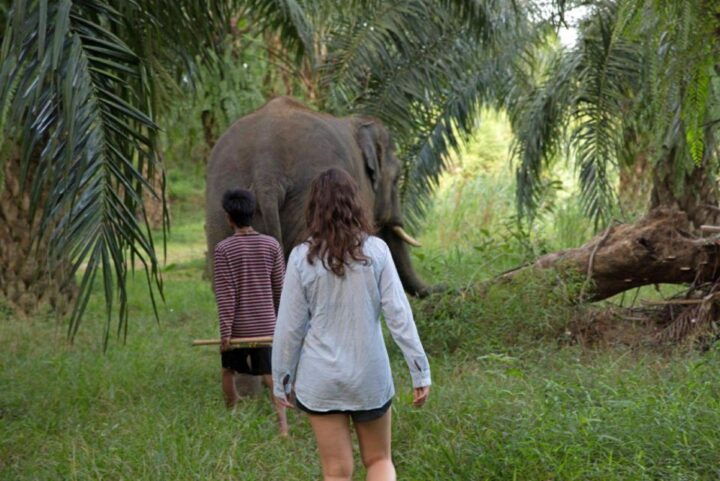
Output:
x=248 y=271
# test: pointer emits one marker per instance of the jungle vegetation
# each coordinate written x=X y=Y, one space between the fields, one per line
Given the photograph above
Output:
x=87 y=86
x=517 y=148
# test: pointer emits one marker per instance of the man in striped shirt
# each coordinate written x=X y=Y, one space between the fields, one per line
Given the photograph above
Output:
x=248 y=270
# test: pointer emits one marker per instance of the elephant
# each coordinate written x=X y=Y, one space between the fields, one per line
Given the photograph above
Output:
x=276 y=152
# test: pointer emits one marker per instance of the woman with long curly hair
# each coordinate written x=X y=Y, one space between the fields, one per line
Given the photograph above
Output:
x=329 y=357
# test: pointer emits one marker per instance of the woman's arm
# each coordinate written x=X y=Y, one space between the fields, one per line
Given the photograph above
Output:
x=290 y=330
x=399 y=319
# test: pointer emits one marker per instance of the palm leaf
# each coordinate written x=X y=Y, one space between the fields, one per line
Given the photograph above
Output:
x=424 y=70
x=80 y=101
x=589 y=88
x=287 y=17
x=79 y=138
x=610 y=70
x=538 y=120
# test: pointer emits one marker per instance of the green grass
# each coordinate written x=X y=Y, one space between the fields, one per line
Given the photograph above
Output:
x=152 y=409
x=512 y=398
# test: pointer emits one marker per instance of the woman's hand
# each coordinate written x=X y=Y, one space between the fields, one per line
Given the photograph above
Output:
x=287 y=401
x=420 y=395
x=284 y=402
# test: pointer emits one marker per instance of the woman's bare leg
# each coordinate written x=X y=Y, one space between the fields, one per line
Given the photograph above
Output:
x=279 y=408
x=332 y=432
x=375 y=438
x=228 y=386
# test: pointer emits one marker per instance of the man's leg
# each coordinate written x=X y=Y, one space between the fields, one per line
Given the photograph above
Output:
x=228 y=387
x=281 y=411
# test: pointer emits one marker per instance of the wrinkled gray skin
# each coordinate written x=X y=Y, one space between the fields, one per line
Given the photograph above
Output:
x=278 y=150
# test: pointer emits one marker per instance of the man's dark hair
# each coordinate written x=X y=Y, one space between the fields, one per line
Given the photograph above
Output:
x=240 y=206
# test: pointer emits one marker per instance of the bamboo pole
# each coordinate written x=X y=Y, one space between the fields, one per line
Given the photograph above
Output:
x=242 y=341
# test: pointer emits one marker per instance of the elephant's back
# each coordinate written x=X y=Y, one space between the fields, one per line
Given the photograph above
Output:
x=277 y=150
x=282 y=128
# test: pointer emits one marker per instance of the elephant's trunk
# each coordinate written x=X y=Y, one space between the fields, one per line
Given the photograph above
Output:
x=401 y=256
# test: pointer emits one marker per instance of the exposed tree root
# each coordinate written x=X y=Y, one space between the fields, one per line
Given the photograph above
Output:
x=658 y=249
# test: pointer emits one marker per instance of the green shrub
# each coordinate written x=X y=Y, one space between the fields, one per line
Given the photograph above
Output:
x=532 y=310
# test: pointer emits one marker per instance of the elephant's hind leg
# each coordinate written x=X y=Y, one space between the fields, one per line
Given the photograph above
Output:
x=269 y=206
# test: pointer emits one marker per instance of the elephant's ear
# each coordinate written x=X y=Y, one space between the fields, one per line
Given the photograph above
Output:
x=368 y=146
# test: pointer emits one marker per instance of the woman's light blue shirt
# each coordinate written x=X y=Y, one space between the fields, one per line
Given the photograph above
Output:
x=328 y=343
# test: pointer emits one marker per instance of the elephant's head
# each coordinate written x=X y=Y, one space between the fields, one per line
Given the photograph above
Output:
x=383 y=170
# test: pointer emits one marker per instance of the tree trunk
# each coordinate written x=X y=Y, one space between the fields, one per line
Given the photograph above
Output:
x=663 y=246
x=28 y=283
x=694 y=192
x=635 y=184
x=209 y=129
x=153 y=204
x=657 y=249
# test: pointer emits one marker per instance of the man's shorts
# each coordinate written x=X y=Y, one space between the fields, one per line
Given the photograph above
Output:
x=357 y=416
x=248 y=360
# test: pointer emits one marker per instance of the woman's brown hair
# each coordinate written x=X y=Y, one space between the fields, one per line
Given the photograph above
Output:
x=337 y=222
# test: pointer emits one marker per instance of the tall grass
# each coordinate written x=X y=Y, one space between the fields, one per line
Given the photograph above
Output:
x=472 y=231
x=512 y=398
x=152 y=409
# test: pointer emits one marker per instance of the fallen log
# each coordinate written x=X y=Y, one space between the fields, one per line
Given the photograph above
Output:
x=658 y=249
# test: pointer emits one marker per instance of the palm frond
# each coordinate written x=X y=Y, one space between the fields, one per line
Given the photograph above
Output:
x=589 y=88
x=172 y=38
x=490 y=79
x=287 y=17
x=610 y=71
x=415 y=65
x=79 y=91
x=82 y=140
x=488 y=20
x=5 y=6
x=363 y=42
x=680 y=36
x=538 y=120
x=444 y=133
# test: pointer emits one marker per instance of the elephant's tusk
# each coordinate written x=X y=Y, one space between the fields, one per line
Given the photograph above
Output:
x=400 y=232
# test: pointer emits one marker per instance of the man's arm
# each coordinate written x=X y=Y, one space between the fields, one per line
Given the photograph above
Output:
x=278 y=274
x=225 y=292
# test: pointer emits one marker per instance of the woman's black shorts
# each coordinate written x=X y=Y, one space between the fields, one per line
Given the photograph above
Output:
x=357 y=416
x=248 y=360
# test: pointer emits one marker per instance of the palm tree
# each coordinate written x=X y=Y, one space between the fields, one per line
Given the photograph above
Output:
x=641 y=83
x=423 y=67
x=82 y=84
x=640 y=88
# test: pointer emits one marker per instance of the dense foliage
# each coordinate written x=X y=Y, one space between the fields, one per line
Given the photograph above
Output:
x=87 y=85
x=83 y=85
x=641 y=82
